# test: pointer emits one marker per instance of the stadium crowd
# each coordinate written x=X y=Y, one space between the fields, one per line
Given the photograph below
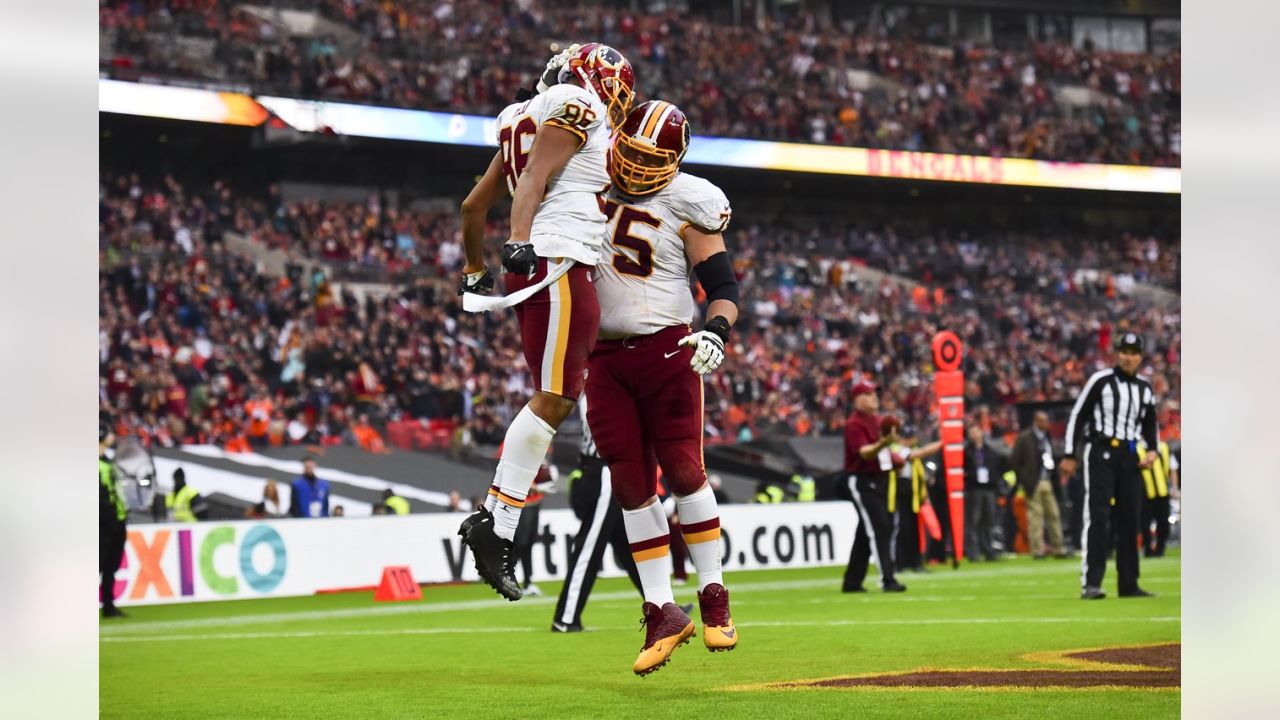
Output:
x=197 y=345
x=783 y=81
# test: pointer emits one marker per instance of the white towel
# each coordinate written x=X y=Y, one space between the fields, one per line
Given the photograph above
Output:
x=473 y=302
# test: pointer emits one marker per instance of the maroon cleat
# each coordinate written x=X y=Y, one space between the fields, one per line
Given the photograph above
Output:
x=718 y=632
x=666 y=628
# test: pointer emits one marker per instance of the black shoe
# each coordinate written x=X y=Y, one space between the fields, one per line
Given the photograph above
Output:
x=111 y=611
x=894 y=586
x=858 y=589
x=559 y=627
x=1136 y=592
x=1092 y=593
x=495 y=557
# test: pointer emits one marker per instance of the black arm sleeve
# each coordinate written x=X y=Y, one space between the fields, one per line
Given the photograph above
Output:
x=717 y=278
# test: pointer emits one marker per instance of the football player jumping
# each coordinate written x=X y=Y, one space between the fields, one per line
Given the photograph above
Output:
x=551 y=158
x=644 y=388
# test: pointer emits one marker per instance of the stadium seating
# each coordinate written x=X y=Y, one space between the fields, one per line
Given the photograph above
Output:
x=192 y=333
x=792 y=81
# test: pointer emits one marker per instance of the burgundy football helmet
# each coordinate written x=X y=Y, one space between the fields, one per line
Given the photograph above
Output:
x=607 y=73
x=648 y=148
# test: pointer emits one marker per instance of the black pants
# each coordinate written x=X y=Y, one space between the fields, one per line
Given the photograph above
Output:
x=526 y=534
x=1111 y=472
x=111 y=539
x=1155 y=511
x=1074 y=514
x=906 y=532
x=875 y=528
x=941 y=549
x=592 y=500
x=979 y=520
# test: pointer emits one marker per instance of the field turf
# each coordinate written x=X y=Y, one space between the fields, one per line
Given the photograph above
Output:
x=464 y=652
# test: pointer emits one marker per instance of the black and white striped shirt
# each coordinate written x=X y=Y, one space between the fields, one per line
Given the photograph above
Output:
x=1113 y=405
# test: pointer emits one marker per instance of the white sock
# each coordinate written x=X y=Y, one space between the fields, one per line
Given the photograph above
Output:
x=700 y=524
x=491 y=500
x=650 y=540
x=523 y=451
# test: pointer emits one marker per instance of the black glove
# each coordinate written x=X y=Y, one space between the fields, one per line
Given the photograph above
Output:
x=480 y=283
x=520 y=258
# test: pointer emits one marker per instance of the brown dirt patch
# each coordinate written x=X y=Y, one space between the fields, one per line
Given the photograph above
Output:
x=1165 y=657
x=1007 y=678
x=1150 y=667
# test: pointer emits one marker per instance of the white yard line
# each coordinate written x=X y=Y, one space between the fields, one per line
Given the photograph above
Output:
x=391 y=632
x=742 y=589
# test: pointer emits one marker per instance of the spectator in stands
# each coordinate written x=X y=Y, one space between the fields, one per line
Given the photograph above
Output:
x=339 y=511
x=309 y=494
x=785 y=80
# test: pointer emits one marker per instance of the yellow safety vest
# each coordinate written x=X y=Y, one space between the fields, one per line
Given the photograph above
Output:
x=398 y=505
x=180 y=504
x=808 y=491
x=771 y=494
x=917 y=486
x=1156 y=477
x=107 y=476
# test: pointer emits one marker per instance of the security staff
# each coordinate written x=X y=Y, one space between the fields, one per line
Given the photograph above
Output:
x=112 y=515
x=867 y=462
x=1160 y=482
x=184 y=503
x=591 y=496
x=309 y=496
x=1114 y=412
x=394 y=504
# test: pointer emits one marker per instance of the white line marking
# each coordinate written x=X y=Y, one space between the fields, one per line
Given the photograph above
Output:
x=832 y=583
x=764 y=624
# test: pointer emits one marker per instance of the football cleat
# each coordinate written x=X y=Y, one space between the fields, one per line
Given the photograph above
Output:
x=666 y=628
x=495 y=557
x=718 y=632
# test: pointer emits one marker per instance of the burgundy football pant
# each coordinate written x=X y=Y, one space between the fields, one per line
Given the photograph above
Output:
x=644 y=407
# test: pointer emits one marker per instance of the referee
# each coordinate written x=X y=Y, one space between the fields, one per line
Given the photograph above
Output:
x=591 y=496
x=1115 y=411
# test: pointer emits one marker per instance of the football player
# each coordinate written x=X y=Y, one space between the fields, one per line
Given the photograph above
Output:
x=644 y=386
x=551 y=158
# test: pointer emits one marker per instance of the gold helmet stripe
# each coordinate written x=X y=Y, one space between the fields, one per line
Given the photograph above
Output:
x=653 y=120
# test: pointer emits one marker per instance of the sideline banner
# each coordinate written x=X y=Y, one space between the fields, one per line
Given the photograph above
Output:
x=313 y=116
x=189 y=562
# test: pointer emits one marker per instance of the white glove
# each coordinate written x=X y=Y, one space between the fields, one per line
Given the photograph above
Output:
x=556 y=62
x=708 y=351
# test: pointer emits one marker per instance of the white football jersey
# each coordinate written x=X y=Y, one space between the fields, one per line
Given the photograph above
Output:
x=644 y=286
x=568 y=223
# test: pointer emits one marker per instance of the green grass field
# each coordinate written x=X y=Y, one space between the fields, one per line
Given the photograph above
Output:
x=463 y=652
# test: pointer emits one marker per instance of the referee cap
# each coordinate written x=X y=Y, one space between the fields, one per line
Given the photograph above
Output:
x=1129 y=341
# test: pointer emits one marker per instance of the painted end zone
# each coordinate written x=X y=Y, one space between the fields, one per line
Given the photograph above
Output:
x=1142 y=667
